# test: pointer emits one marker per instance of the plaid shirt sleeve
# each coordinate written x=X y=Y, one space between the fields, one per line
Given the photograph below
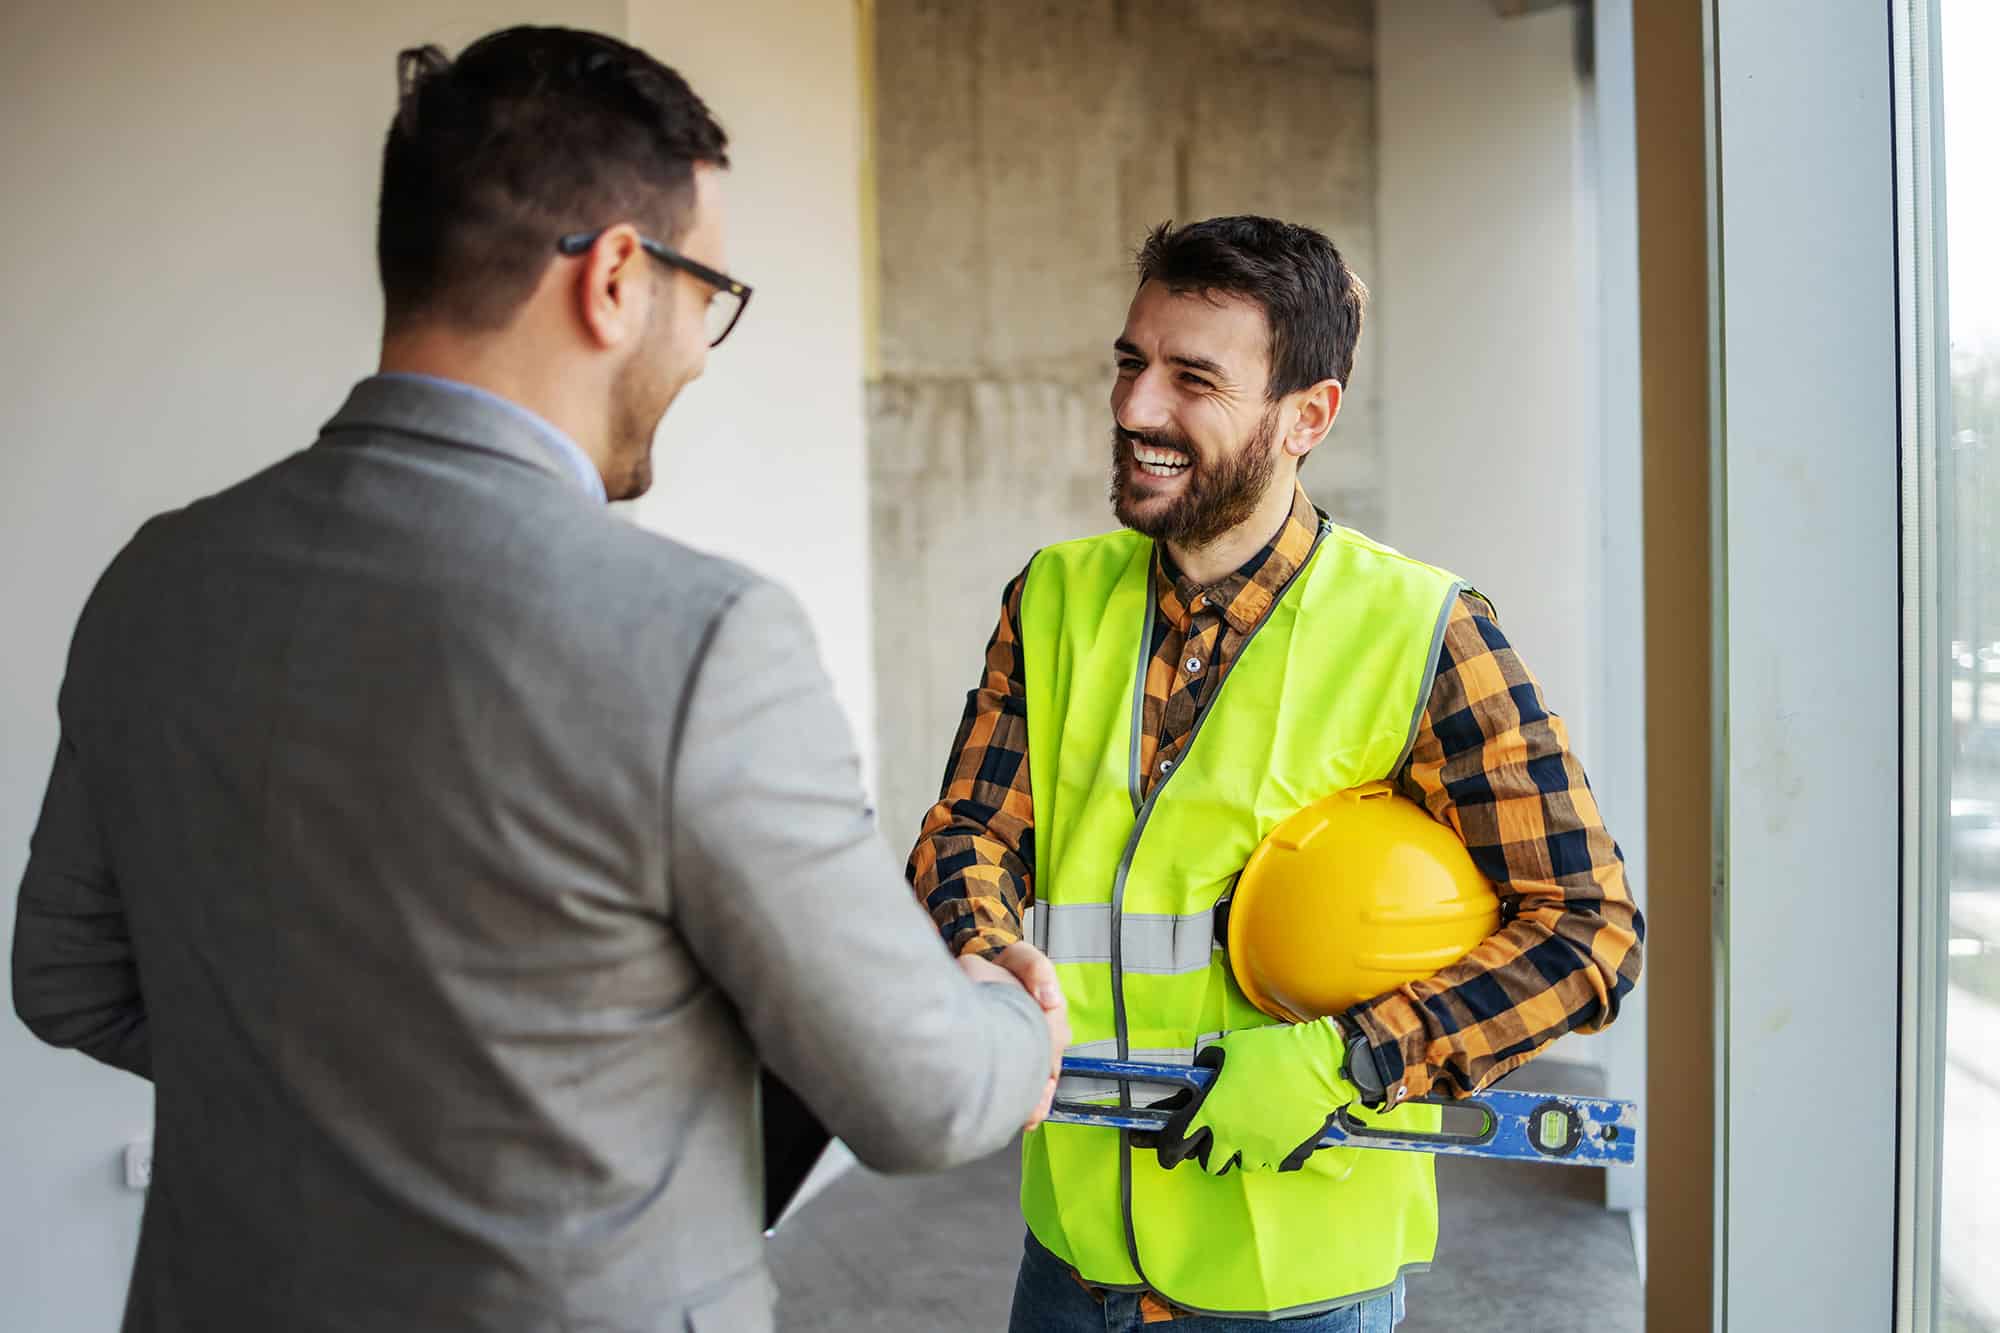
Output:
x=973 y=865
x=1494 y=764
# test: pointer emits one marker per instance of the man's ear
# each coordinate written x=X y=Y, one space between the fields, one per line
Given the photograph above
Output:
x=608 y=286
x=1314 y=410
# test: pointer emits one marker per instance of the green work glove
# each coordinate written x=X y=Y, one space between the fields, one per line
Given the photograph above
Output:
x=1276 y=1090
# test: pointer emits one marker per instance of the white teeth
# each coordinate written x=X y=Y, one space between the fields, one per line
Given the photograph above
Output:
x=1159 y=462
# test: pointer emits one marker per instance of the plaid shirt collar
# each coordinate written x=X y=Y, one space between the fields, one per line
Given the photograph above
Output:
x=1246 y=595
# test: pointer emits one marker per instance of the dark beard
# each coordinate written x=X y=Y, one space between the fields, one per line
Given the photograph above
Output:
x=1220 y=495
x=631 y=463
x=638 y=479
x=639 y=401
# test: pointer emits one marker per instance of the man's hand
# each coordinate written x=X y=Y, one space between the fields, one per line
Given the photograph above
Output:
x=1022 y=964
x=1037 y=975
x=1276 y=1090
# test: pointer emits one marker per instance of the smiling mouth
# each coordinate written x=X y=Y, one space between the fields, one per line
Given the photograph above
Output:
x=1154 y=462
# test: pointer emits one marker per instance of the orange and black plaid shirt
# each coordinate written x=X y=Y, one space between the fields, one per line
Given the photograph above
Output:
x=1490 y=761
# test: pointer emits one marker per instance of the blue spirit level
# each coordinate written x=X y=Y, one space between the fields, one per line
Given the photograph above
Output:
x=1512 y=1126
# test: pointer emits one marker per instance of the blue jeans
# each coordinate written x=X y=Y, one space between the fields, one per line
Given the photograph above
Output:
x=1048 y=1299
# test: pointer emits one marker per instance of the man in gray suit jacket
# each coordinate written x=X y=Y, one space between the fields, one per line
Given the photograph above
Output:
x=449 y=853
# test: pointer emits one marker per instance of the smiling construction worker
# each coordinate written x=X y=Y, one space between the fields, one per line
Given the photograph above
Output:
x=1154 y=701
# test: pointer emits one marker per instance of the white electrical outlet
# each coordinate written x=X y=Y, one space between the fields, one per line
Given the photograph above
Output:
x=139 y=1164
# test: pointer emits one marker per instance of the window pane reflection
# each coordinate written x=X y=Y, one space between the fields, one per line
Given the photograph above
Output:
x=1970 y=1235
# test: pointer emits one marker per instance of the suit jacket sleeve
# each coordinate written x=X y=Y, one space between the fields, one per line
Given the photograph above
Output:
x=790 y=900
x=75 y=982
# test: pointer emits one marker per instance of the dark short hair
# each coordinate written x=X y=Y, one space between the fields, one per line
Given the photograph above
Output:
x=1310 y=298
x=530 y=134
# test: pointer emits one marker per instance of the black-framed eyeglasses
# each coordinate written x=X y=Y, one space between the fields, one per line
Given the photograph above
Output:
x=725 y=306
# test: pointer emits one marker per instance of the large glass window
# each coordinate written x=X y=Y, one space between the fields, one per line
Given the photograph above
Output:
x=1968 y=564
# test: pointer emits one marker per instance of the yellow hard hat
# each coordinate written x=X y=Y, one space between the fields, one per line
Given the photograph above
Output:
x=1353 y=896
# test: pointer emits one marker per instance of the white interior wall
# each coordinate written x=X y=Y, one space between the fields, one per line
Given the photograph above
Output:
x=765 y=458
x=1618 y=766
x=1481 y=322
x=190 y=283
x=1504 y=329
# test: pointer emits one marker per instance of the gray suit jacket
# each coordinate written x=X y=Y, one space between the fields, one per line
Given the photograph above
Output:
x=448 y=853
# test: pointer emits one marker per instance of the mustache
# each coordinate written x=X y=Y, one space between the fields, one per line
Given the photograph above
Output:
x=1154 y=439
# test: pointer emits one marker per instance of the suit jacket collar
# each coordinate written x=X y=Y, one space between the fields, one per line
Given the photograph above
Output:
x=411 y=407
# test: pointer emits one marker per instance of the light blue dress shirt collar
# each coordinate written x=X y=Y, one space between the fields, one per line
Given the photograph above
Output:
x=568 y=454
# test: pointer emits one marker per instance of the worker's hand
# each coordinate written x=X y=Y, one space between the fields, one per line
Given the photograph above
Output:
x=1022 y=964
x=1276 y=1090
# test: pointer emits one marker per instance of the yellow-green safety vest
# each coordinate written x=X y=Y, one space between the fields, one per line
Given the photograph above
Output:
x=1326 y=695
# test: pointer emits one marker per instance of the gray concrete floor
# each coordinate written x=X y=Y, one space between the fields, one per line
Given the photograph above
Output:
x=1523 y=1249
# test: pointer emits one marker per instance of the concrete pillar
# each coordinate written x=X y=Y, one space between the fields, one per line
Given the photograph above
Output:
x=1023 y=150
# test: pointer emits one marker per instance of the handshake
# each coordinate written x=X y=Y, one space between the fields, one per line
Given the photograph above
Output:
x=1022 y=964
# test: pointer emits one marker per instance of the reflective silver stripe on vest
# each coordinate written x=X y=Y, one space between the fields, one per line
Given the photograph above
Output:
x=1099 y=1089
x=1155 y=943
